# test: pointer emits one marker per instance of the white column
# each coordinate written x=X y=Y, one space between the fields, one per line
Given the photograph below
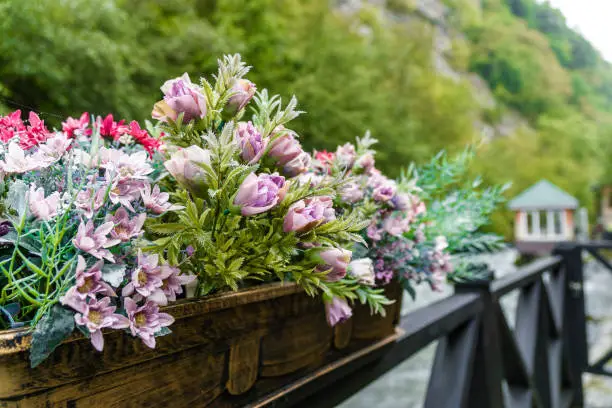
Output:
x=535 y=224
x=550 y=224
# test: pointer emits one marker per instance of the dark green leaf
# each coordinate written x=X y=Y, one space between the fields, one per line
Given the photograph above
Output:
x=50 y=331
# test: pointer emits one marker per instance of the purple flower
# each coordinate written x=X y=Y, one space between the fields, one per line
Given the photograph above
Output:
x=189 y=250
x=90 y=201
x=396 y=224
x=337 y=311
x=284 y=148
x=125 y=228
x=373 y=232
x=89 y=283
x=335 y=261
x=384 y=192
x=243 y=90
x=307 y=214
x=124 y=192
x=156 y=201
x=363 y=270
x=250 y=142
x=298 y=165
x=185 y=166
x=43 y=208
x=146 y=278
x=351 y=193
x=345 y=155
x=97 y=315
x=401 y=202
x=146 y=320
x=95 y=241
x=257 y=194
x=180 y=96
x=172 y=285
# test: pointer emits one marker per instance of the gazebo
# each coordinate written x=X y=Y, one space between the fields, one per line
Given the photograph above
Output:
x=544 y=217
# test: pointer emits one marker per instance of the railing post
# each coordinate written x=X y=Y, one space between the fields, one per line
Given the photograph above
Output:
x=486 y=384
x=575 y=336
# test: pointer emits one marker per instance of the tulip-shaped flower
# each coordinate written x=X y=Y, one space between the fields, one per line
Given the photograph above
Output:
x=184 y=166
x=351 y=193
x=180 y=96
x=146 y=320
x=337 y=311
x=88 y=284
x=249 y=140
x=156 y=201
x=335 y=261
x=364 y=164
x=125 y=228
x=298 y=165
x=94 y=241
x=172 y=285
x=384 y=192
x=146 y=278
x=363 y=270
x=306 y=214
x=243 y=90
x=43 y=208
x=257 y=194
x=285 y=148
x=97 y=315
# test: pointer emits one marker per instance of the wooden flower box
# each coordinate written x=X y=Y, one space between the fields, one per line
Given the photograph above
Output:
x=224 y=350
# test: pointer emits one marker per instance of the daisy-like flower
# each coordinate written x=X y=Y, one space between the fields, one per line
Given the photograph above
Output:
x=94 y=241
x=156 y=201
x=88 y=284
x=41 y=207
x=90 y=201
x=97 y=315
x=146 y=320
x=146 y=278
x=172 y=285
x=125 y=228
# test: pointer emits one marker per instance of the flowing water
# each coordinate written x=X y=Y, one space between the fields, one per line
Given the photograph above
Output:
x=406 y=385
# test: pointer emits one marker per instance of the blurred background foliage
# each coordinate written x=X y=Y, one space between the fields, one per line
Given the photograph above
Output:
x=394 y=67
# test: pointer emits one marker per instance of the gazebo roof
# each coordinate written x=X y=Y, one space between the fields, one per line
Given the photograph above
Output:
x=543 y=196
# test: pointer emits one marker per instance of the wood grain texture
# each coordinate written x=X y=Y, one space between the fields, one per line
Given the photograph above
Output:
x=342 y=334
x=243 y=365
x=371 y=327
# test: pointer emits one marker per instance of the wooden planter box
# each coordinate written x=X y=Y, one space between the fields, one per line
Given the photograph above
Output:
x=224 y=350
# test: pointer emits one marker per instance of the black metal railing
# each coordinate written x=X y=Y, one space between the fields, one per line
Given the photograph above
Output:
x=482 y=360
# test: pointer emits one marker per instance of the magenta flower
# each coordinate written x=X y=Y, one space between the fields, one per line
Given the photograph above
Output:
x=250 y=142
x=97 y=315
x=146 y=320
x=125 y=228
x=172 y=285
x=337 y=311
x=298 y=165
x=185 y=166
x=243 y=90
x=384 y=192
x=156 y=201
x=363 y=270
x=335 y=261
x=285 y=148
x=90 y=201
x=89 y=283
x=43 y=208
x=351 y=193
x=95 y=241
x=77 y=127
x=180 y=96
x=257 y=194
x=146 y=278
x=306 y=214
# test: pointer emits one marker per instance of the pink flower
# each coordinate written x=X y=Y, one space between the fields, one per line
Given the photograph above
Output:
x=146 y=278
x=35 y=134
x=310 y=178
x=180 y=96
x=146 y=320
x=172 y=285
x=43 y=208
x=365 y=163
x=90 y=201
x=324 y=161
x=109 y=128
x=16 y=161
x=306 y=214
x=351 y=193
x=257 y=194
x=337 y=311
x=396 y=224
x=363 y=270
x=125 y=166
x=95 y=241
x=284 y=148
x=156 y=201
x=335 y=261
x=89 y=283
x=185 y=166
x=53 y=148
x=97 y=315
x=384 y=192
x=124 y=192
x=346 y=155
x=298 y=165
x=125 y=228
x=77 y=127
x=11 y=126
x=141 y=136
x=250 y=142
x=373 y=232
x=243 y=90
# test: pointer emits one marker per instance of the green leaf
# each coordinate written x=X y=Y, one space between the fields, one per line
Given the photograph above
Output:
x=164 y=331
x=113 y=274
x=50 y=331
x=16 y=197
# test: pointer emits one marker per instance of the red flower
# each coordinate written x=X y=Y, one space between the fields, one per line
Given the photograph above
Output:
x=71 y=125
x=10 y=125
x=35 y=133
x=110 y=128
x=141 y=136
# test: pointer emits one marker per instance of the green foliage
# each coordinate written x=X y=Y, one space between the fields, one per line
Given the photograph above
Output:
x=54 y=327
